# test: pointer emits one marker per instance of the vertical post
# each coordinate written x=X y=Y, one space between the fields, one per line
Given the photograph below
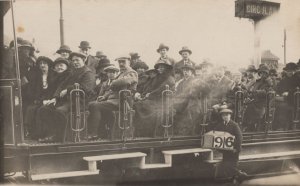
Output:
x=284 y=46
x=61 y=21
x=257 y=54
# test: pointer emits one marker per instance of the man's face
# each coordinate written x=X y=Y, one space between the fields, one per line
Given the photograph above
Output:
x=140 y=70
x=43 y=66
x=77 y=62
x=163 y=52
x=60 y=67
x=226 y=117
x=123 y=64
x=263 y=75
x=85 y=50
x=187 y=72
x=185 y=55
x=250 y=75
x=289 y=73
x=25 y=50
x=161 y=68
x=111 y=74
x=65 y=54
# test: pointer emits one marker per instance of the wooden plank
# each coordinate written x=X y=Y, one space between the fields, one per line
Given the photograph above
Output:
x=155 y=166
x=63 y=175
x=269 y=155
x=115 y=156
x=186 y=151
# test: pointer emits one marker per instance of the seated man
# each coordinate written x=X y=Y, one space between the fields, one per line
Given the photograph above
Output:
x=101 y=111
x=54 y=116
x=231 y=158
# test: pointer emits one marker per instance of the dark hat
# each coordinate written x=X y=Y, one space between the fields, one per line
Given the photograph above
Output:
x=100 y=54
x=251 y=68
x=165 y=62
x=140 y=64
x=84 y=44
x=185 y=49
x=79 y=54
x=162 y=46
x=188 y=66
x=19 y=42
x=44 y=58
x=225 y=110
x=26 y=43
x=111 y=67
x=103 y=63
x=125 y=57
x=290 y=66
x=61 y=60
x=263 y=68
x=64 y=48
x=134 y=55
x=150 y=71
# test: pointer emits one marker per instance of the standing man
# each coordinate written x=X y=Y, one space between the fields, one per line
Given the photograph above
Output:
x=64 y=51
x=231 y=158
x=91 y=62
x=185 y=53
x=134 y=58
x=163 y=50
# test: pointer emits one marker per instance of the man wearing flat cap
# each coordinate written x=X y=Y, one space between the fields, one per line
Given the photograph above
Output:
x=185 y=53
x=163 y=51
x=56 y=113
x=91 y=62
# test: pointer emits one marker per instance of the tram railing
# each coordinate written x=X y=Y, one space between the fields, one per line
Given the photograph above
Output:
x=296 y=109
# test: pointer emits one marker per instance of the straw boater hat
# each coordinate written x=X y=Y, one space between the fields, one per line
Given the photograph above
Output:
x=44 y=58
x=64 y=48
x=185 y=49
x=111 y=68
x=84 y=44
x=61 y=60
x=162 y=46
x=78 y=54
x=227 y=111
x=164 y=62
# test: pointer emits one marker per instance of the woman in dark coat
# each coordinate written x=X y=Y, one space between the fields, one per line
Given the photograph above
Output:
x=147 y=110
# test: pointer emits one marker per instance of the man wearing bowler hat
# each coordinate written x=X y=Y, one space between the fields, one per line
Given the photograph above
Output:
x=185 y=52
x=163 y=51
x=100 y=55
x=91 y=61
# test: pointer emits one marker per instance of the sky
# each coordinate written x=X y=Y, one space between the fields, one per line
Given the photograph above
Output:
x=117 y=27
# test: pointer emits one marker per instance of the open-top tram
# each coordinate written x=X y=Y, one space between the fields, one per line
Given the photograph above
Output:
x=123 y=156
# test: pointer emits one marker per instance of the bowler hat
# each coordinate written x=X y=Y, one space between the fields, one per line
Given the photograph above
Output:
x=290 y=66
x=61 y=60
x=134 y=56
x=84 y=44
x=26 y=43
x=166 y=62
x=44 y=58
x=103 y=63
x=140 y=64
x=226 y=111
x=111 y=68
x=100 y=54
x=185 y=49
x=162 y=46
x=251 y=68
x=78 y=54
x=64 y=48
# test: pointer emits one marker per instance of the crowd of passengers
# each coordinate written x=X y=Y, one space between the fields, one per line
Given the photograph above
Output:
x=46 y=87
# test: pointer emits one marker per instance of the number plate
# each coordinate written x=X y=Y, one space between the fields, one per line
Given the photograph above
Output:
x=218 y=140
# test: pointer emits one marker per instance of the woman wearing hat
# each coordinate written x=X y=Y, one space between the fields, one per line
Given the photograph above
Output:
x=64 y=51
x=152 y=98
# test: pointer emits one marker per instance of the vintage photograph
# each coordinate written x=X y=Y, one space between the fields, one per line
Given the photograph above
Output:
x=150 y=92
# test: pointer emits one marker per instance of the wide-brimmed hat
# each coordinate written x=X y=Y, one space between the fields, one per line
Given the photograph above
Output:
x=290 y=66
x=162 y=46
x=79 y=54
x=223 y=111
x=26 y=43
x=166 y=62
x=140 y=64
x=251 y=68
x=44 y=58
x=64 y=48
x=84 y=44
x=185 y=49
x=111 y=67
x=100 y=54
x=134 y=55
x=263 y=68
x=61 y=60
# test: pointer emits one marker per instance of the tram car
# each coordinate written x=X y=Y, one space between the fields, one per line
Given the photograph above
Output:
x=125 y=157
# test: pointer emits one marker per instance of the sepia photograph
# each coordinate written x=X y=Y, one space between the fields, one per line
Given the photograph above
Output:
x=150 y=92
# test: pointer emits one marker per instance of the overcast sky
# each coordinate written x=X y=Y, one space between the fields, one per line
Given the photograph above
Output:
x=117 y=27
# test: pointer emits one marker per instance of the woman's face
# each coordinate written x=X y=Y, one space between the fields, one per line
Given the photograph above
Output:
x=60 y=67
x=161 y=68
x=44 y=66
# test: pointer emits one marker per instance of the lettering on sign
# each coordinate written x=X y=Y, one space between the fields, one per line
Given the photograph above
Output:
x=260 y=10
x=224 y=142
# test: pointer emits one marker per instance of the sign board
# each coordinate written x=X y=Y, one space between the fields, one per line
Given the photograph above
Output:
x=218 y=140
x=255 y=9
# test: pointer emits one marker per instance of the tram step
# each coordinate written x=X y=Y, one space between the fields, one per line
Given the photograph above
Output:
x=186 y=151
x=155 y=166
x=63 y=175
x=115 y=156
x=261 y=156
